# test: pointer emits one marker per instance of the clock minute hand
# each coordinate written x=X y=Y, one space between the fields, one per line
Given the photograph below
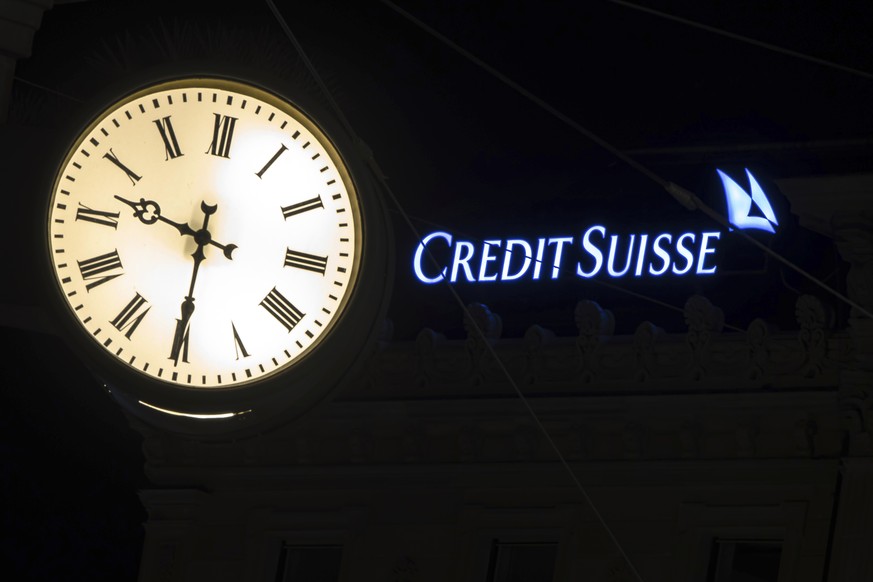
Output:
x=180 y=337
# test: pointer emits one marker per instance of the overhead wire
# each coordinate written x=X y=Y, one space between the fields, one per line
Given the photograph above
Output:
x=685 y=197
x=47 y=89
x=745 y=39
x=467 y=314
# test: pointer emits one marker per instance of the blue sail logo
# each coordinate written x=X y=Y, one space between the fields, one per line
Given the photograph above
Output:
x=739 y=203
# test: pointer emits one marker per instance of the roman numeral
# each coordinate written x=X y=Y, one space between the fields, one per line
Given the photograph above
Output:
x=131 y=316
x=237 y=343
x=305 y=261
x=300 y=207
x=275 y=157
x=282 y=309
x=222 y=134
x=97 y=216
x=180 y=342
x=96 y=269
x=171 y=145
x=134 y=178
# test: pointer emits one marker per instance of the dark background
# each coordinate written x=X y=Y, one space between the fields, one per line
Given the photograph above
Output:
x=462 y=152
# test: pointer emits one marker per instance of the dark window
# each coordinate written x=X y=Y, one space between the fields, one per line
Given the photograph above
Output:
x=522 y=562
x=745 y=561
x=309 y=564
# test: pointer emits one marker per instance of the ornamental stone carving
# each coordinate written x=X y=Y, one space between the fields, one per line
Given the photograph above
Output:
x=758 y=341
x=854 y=239
x=814 y=318
x=535 y=339
x=482 y=327
x=595 y=324
x=704 y=320
x=426 y=343
x=645 y=337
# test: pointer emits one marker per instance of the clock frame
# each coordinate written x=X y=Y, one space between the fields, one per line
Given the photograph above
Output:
x=210 y=233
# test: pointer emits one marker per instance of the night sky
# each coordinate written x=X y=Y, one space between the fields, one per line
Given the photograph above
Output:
x=462 y=152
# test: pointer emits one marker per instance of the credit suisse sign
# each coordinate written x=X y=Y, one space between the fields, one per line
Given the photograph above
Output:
x=594 y=253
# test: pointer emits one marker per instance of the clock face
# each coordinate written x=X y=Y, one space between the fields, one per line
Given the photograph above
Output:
x=205 y=233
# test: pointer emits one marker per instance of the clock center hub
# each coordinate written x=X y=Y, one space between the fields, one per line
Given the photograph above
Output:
x=202 y=237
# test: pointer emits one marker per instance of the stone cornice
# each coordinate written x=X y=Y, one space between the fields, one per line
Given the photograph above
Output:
x=705 y=394
x=704 y=359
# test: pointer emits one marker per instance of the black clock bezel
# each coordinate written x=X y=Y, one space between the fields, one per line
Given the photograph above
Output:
x=287 y=393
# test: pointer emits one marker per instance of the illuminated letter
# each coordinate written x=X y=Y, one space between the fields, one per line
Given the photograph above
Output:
x=505 y=276
x=459 y=261
x=705 y=250
x=487 y=257
x=593 y=251
x=538 y=262
x=416 y=264
x=639 y=269
x=656 y=246
x=685 y=253
x=611 y=261
x=556 y=265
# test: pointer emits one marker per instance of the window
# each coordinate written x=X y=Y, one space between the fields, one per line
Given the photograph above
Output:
x=309 y=564
x=522 y=561
x=744 y=560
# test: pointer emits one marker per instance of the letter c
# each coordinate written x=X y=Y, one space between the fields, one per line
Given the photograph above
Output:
x=416 y=264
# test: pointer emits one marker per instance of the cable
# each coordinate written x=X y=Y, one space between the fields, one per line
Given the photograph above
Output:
x=383 y=182
x=741 y=38
x=528 y=95
x=47 y=89
x=685 y=197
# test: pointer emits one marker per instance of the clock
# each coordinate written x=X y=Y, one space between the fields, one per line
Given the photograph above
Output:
x=206 y=239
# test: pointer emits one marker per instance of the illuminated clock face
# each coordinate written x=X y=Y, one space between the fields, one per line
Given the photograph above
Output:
x=205 y=233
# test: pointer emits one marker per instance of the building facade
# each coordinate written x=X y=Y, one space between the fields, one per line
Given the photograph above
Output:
x=705 y=455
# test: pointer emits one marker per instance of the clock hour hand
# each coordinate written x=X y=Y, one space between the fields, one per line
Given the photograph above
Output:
x=149 y=212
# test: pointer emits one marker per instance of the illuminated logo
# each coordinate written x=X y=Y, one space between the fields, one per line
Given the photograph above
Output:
x=594 y=253
x=739 y=203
